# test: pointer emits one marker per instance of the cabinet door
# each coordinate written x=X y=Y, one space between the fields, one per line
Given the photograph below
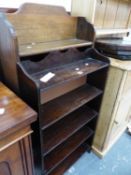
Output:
x=123 y=110
x=100 y=13
x=17 y=158
x=11 y=161
x=123 y=13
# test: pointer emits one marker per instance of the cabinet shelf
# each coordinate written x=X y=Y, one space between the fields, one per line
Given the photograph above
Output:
x=62 y=106
x=62 y=130
x=59 y=154
x=69 y=72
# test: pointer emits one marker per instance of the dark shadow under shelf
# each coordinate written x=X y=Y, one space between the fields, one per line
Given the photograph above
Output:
x=62 y=130
x=68 y=162
x=62 y=106
x=68 y=72
x=59 y=154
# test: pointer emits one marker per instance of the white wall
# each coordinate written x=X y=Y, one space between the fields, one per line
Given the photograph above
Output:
x=17 y=3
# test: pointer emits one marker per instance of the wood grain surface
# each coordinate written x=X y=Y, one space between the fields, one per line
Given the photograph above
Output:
x=16 y=113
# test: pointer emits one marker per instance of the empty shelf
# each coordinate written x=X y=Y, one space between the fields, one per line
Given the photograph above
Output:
x=68 y=162
x=69 y=72
x=54 y=158
x=39 y=48
x=62 y=130
x=62 y=106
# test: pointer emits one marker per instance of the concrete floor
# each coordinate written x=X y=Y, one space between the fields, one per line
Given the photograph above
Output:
x=116 y=162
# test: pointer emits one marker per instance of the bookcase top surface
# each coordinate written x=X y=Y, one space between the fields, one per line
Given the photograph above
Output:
x=37 y=30
x=42 y=47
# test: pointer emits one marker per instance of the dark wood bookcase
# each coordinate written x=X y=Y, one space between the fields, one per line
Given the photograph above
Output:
x=67 y=104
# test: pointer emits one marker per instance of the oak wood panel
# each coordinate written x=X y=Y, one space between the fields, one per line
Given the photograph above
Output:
x=110 y=13
x=100 y=13
x=66 y=128
x=123 y=13
x=54 y=158
x=85 y=30
x=8 y=51
x=17 y=114
x=43 y=9
x=69 y=161
x=55 y=110
x=42 y=28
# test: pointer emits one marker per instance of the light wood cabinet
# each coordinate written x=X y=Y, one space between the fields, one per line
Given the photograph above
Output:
x=113 y=14
x=115 y=110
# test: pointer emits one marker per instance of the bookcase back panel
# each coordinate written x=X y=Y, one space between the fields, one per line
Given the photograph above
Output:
x=36 y=28
x=32 y=8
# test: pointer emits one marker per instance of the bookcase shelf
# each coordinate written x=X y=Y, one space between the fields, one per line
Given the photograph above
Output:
x=68 y=161
x=55 y=110
x=66 y=128
x=52 y=43
x=54 y=158
x=68 y=72
x=38 y=48
x=65 y=120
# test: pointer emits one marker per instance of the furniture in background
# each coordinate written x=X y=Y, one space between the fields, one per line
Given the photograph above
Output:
x=15 y=143
x=111 y=19
x=116 y=106
x=107 y=16
x=57 y=72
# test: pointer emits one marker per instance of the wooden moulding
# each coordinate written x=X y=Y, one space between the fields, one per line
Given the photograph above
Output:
x=15 y=137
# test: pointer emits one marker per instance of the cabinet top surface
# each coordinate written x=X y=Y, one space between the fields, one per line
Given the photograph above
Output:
x=124 y=65
x=14 y=113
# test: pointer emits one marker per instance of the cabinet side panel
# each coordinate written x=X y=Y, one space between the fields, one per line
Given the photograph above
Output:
x=109 y=99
